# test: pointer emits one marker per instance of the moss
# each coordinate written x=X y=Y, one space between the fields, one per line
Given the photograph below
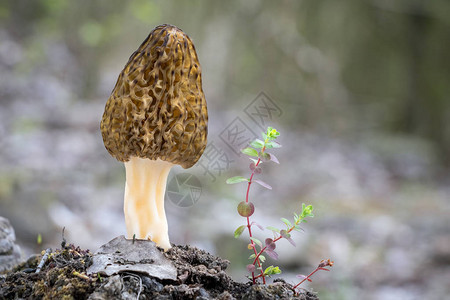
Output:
x=55 y=280
x=39 y=288
x=60 y=283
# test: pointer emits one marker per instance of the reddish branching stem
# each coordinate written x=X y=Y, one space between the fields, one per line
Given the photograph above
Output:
x=249 y=226
x=324 y=263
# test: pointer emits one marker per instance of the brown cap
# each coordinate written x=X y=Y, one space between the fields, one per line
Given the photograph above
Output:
x=157 y=108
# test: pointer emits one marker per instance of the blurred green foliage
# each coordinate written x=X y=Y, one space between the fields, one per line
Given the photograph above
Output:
x=347 y=68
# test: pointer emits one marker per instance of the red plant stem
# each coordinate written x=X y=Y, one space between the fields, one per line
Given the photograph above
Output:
x=250 y=227
x=254 y=249
x=307 y=277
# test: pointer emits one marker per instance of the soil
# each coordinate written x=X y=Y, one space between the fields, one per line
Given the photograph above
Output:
x=200 y=275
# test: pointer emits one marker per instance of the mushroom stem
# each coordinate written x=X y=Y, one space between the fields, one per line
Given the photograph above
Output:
x=145 y=187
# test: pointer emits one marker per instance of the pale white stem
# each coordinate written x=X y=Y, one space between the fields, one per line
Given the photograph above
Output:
x=145 y=187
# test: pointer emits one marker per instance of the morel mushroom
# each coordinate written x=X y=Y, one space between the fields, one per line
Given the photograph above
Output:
x=156 y=117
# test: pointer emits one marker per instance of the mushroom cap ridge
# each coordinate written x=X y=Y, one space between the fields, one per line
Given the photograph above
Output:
x=157 y=108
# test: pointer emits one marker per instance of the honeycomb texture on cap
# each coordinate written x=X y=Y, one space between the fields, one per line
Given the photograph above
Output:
x=157 y=108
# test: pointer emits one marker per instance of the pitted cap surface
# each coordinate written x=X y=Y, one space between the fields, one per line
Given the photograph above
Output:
x=157 y=108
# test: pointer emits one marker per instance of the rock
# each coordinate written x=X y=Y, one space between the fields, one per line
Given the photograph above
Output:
x=151 y=284
x=122 y=255
x=108 y=290
x=9 y=251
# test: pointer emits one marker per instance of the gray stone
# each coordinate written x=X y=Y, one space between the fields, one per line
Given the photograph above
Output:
x=122 y=255
x=109 y=290
x=151 y=284
x=10 y=254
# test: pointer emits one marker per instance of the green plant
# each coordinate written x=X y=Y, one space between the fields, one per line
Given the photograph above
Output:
x=258 y=154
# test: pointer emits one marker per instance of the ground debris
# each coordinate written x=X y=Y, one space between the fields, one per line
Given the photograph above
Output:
x=57 y=277
x=199 y=275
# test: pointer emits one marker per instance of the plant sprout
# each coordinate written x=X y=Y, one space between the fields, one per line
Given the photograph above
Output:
x=257 y=153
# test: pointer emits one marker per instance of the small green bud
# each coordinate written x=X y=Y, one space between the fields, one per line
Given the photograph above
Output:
x=307 y=210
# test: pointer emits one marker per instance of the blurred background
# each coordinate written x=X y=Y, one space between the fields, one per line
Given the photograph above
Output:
x=358 y=89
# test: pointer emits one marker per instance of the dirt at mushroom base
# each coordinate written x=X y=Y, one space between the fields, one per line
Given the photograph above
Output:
x=200 y=274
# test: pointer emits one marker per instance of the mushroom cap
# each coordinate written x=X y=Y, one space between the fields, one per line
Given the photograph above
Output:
x=157 y=108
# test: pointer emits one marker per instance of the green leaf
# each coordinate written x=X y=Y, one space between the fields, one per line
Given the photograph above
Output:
x=272 y=144
x=268 y=270
x=257 y=144
x=273 y=229
x=264 y=136
x=256 y=241
x=236 y=179
x=287 y=222
x=250 y=152
x=272 y=133
x=307 y=211
x=271 y=270
x=252 y=256
x=276 y=270
x=239 y=231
